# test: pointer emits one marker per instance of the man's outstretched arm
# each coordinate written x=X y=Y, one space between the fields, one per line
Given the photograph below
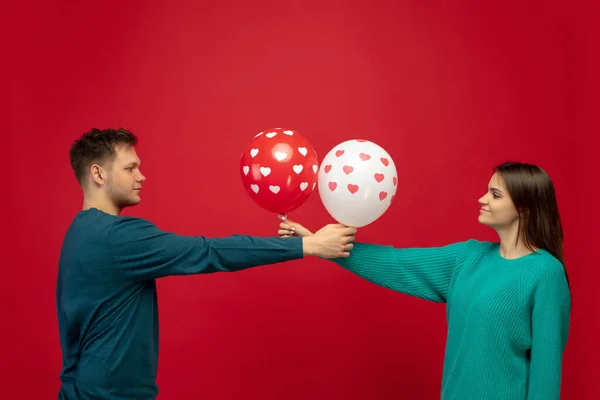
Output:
x=142 y=251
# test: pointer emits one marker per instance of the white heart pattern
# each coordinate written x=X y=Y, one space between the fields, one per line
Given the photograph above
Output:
x=254 y=188
x=298 y=168
x=274 y=189
x=271 y=134
x=289 y=133
x=246 y=169
x=315 y=168
x=302 y=150
x=304 y=185
x=280 y=155
x=253 y=152
x=265 y=171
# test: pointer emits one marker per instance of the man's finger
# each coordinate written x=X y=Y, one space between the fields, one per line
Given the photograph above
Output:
x=349 y=231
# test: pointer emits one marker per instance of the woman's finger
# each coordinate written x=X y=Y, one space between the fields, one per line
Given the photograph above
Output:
x=287 y=227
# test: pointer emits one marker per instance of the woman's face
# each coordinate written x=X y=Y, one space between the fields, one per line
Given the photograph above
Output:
x=497 y=209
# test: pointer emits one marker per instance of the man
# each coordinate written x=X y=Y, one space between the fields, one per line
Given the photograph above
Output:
x=106 y=291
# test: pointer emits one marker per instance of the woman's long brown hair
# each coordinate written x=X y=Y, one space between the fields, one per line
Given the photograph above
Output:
x=533 y=195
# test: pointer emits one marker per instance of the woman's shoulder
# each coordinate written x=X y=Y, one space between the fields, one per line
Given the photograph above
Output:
x=545 y=280
x=541 y=265
x=478 y=246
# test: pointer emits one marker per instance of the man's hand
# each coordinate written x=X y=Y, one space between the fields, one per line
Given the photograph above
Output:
x=331 y=241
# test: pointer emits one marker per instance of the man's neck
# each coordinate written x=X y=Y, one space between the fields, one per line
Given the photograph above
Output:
x=100 y=204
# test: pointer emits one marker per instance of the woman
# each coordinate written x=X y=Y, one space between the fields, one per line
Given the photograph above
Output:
x=508 y=303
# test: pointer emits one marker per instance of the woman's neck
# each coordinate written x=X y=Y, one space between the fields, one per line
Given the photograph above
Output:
x=511 y=243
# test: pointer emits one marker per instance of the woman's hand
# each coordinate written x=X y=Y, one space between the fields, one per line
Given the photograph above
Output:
x=289 y=228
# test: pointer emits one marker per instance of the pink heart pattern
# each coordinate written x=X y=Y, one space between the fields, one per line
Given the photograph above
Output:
x=352 y=188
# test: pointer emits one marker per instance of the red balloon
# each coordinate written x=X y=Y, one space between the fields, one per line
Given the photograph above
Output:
x=279 y=170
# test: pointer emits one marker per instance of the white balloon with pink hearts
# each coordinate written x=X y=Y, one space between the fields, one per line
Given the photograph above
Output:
x=357 y=182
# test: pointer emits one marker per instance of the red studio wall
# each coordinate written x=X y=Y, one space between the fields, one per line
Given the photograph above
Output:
x=448 y=89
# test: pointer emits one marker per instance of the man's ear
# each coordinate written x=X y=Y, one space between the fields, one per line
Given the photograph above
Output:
x=98 y=174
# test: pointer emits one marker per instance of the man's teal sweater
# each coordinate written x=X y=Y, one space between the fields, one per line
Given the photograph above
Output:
x=107 y=303
x=508 y=319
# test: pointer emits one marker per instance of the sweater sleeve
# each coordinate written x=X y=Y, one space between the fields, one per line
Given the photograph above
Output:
x=551 y=305
x=421 y=272
x=141 y=251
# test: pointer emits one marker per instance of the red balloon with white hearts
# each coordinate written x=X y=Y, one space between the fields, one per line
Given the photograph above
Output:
x=279 y=169
x=357 y=182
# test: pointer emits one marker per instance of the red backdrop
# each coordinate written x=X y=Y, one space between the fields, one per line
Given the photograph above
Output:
x=448 y=90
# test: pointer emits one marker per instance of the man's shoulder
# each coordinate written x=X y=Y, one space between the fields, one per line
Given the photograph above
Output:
x=93 y=226
x=124 y=224
x=94 y=218
x=93 y=235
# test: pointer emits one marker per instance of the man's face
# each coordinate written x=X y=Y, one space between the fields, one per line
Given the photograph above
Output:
x=125 y=178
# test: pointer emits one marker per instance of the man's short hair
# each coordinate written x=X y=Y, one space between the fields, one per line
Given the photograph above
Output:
x=97 y=146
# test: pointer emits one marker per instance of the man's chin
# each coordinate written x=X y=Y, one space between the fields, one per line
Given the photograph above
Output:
x=131 y=202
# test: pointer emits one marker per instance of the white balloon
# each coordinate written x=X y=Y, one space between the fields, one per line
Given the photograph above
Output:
x=357 y=182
